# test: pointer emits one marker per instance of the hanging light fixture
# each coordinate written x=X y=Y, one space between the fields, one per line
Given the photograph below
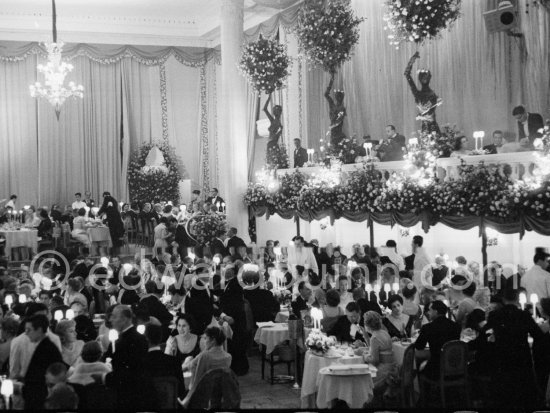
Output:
x=55 y=70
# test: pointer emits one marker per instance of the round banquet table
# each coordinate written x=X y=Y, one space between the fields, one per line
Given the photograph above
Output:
x=100 y=236
x=282 y=316
x=271 y=337
x=355 y=390
x=20 y=238
x=312 y=365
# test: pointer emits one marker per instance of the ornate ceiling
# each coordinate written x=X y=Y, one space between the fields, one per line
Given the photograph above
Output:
x=138 y=22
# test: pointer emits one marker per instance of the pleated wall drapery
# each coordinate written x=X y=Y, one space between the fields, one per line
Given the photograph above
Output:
x=131 y=95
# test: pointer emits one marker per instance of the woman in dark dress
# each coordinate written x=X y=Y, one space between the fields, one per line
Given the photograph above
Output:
x=198 y=303
x=45 y=226
x=114 y=221
x=185 y=343
x=232 y=305
x=399 y=325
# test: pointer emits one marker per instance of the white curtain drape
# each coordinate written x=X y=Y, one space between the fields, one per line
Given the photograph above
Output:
x=131 y=96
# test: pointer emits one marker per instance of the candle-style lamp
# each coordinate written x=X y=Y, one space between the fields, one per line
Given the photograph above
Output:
x=317 y=316
x=522 y=300
x=58 y=315
x=534 y=300
x=140 y=329
x=113 y=336
x=69 y=314
x=7 y=391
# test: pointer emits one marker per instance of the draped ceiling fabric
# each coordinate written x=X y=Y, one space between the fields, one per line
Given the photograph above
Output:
x=131 y=95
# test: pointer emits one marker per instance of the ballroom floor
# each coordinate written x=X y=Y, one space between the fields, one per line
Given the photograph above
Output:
x=260 y=394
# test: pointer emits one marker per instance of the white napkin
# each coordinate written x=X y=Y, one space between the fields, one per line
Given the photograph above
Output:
x=265 y=324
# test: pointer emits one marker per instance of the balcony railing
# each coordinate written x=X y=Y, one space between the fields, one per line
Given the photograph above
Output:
x=521 y=163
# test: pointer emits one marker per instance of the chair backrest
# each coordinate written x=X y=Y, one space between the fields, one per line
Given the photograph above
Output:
x=97 y=397
x=454 y=359
x=407 y=368
x=166 y=389
x=217 y=389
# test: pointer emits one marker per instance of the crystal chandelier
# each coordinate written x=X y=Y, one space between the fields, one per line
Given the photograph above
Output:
x=55 y=70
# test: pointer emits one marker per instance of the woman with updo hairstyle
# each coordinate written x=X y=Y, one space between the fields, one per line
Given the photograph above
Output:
x=70 y=346
x=381 y=350
x=399 y=325
x=212 y=357
x=410 y=307
x=332 y=310
x=89 y=365
x=185 y=344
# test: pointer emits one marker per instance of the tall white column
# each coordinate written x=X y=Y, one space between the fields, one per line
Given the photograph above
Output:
x=233 y=139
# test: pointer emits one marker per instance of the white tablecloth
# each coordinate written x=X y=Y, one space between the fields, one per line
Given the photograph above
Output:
x=100 y=235
x=312 y=365
x=271 y=337
x=22 y=238
x=282 y=316
x=355 y=390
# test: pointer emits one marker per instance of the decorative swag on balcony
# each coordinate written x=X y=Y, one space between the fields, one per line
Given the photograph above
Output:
x=509 y=197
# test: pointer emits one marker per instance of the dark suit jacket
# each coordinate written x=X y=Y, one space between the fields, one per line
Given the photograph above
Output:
x=300 y=157
x=217 y=247
x=341 y=329
x=264 y=305
x=215 y=200
x=390 y=150
x=439 y=274
x=400 y=140
x=409 y=263
x=436 y=333
x=298 y=306
x=158 y=364
x=156 y=309
x=534 y=123
x=35 y=391
x=490 y=149
x=236 y=243
x=129 y=377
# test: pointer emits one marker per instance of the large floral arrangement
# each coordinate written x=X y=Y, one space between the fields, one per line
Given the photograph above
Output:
x=327 y=35
x=207 y=227
x=266 y=64
x=148 y=183
x=319 y=342
x=480 y=190
x=277 y=158
x=344 y=151
x=419 y=20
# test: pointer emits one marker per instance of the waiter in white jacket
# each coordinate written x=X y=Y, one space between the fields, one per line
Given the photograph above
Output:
x=298 y=254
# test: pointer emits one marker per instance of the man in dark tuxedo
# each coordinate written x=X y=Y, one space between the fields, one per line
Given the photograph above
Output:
x=498 y=140
x=347 y=328
x=151 y=303
x=300 y=154
x=439 y=271
x=215 y=199
x=396 y=138
x=128 y=377
x=528 y=124
x=217 y=247
x=439 y=331
x=234 y=241
x=158 y=364
x=300 y=303
x=46 y=353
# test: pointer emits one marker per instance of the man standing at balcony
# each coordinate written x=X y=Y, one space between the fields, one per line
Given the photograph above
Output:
x=300 y=154
x=528 y=125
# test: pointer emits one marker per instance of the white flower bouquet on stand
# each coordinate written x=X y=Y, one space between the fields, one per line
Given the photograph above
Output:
x=318 y=342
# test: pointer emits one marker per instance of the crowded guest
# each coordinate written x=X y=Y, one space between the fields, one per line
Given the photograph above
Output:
x=398 y=324
x=461 y=292
x=300 y=154
x=78 y=203
x=436 y=333
x=332 y=311
x=347 y=327
x=45 y=226
x=460 y=147
x=233 y=241
x=9 y=328
x=70 y=346
x=151 y=302
x=537 y=279
x=301 y=302
x=345 y=296
x=301 y=255
x=89 y=364
x=60 y=395
x=44 y=354
x=529 y=125
x=198 y=302
x=184 y=344
x=494 y=147
x=380 y=354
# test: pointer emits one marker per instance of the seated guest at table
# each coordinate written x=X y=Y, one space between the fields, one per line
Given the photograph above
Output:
x=89 y=364
x=56 y=213
x=45 y=226
x=31 y=219
x=72 y=294
x=345 y=296
x=159 y=364
x=300 y=154
x=79 y=230
x=70 y=346
x=233 y=241
x=528 y=124
x=461 y=292
x=399 y=325
x=212 y=357
x=151 y=302
x=332 y=310
x=461 y=147
x=494 y=147
x=537 y=279
x=360 y=150
x=483 y=362
x=347 y=327
x=437 y=332
x=264 y=305
x=513 y=363
x=85 y=329
x=301 y=302
x=45 y=353
x=410 y=306
x=381 y=351
x=128 y=294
